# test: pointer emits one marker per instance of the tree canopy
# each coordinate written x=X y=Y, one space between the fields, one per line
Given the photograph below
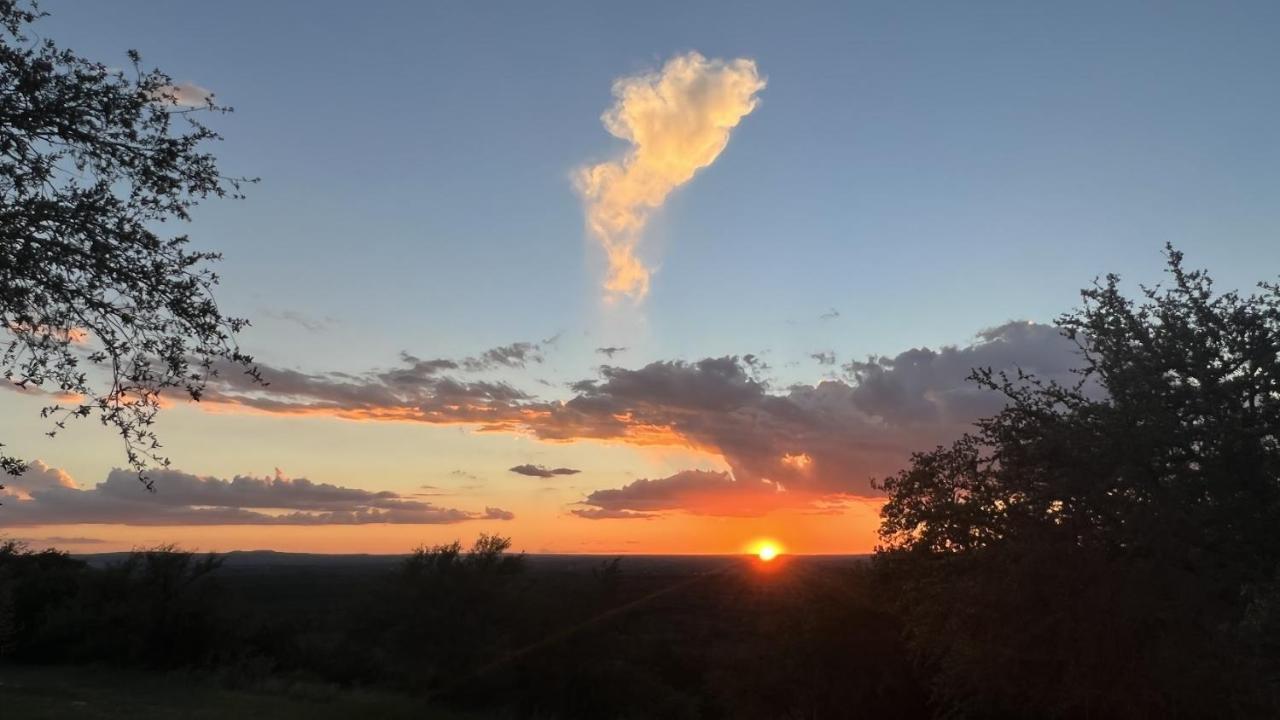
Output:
x=1137 y=508
x=103 y=309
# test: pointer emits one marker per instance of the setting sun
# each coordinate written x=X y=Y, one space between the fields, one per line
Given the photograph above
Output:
x=766 y=550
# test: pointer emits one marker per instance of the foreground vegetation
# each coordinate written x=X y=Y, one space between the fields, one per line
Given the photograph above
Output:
x=105 y=693
x=478 y=632
x=1110 y=547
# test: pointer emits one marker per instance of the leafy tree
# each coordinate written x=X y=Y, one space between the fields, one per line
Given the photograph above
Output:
x=103 y=311
x=33 y=584
x=447 y=610
x=449 y=564
x=1095 y=549
x=160 y=606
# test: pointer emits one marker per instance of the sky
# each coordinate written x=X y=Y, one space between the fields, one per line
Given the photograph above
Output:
x=725 y=262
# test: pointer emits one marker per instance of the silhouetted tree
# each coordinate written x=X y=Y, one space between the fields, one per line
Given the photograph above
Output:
x=1093 y=549
x=158 y=606
x=608 y=576
x=33 y=584
x=448 y=609
x=103 y=312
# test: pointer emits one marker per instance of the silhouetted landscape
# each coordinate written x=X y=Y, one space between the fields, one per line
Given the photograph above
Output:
x=478 y=634
x=513 y=287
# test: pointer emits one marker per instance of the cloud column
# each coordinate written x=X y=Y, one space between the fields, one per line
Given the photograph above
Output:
x=678 y=120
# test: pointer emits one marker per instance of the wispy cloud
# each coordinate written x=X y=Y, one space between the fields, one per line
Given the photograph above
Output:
x=57 y=540
x=497 y=513
x=604 y=514
x=185 y=499
x=825 y=357
x=301 y=319
x=186 y=94
x=543 y=472
x=515 y=355
x=678 y=121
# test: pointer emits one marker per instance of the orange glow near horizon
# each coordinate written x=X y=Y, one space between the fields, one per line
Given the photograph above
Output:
x=535 y=530
x=766 y=549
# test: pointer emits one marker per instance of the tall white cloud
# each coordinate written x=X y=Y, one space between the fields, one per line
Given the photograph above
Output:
x=678 y=121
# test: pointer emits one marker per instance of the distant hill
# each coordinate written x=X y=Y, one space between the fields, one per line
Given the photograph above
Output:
x=268 y=559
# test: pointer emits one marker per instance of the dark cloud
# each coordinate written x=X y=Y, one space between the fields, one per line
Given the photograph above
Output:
x=610 y=351
x=831 y=314
x=825 y=439
x=755 y=364
x=416 y=371
x=700 y=492
x=301 y=319
x=602 y=514
x=713 y=384
x=184 y=499
x=930 y=386
x=415 y=390
x=60 y=540
x=543 y=472
x=497 y=513
x=515 y=355
x=825 y=357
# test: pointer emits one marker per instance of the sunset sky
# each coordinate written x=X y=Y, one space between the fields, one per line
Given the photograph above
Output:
x=676 y=278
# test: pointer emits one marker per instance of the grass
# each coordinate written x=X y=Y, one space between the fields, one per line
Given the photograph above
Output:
x=58 y=693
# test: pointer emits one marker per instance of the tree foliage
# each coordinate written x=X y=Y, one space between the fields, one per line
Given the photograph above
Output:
x=158 y=607
x=1104 y=542
x=447 y=609
x=103 y=309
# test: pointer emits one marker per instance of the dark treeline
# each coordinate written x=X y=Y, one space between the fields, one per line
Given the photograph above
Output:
x=480 y=629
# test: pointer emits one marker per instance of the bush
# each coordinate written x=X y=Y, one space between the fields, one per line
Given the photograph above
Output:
x=1094 y=550
x=33 y=586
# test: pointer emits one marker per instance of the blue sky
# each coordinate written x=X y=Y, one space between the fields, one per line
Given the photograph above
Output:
x=926 y=169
